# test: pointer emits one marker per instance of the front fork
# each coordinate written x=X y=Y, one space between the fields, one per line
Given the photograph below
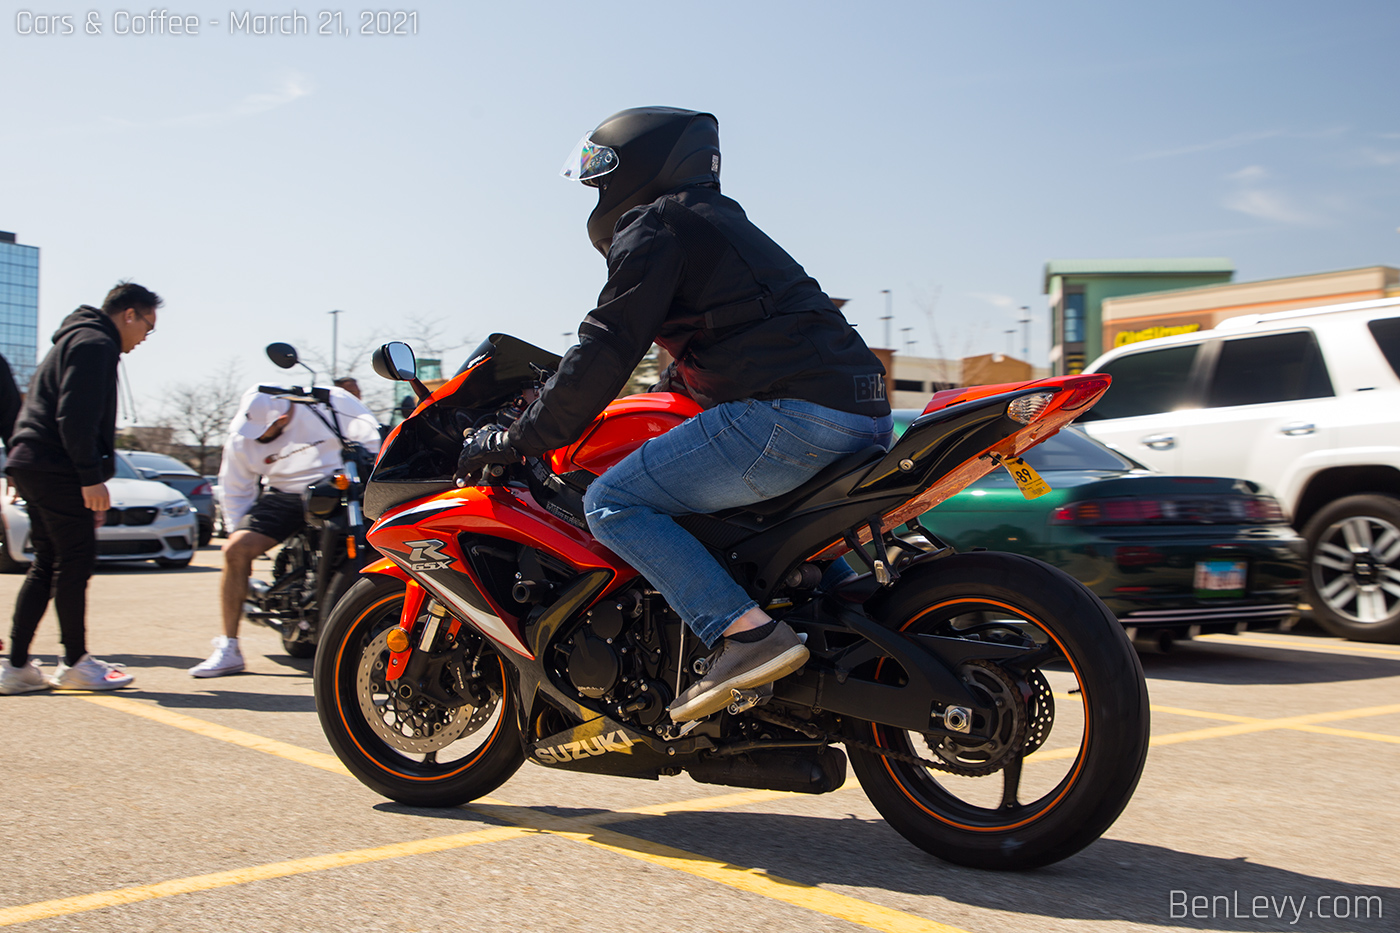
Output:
x=416 y=657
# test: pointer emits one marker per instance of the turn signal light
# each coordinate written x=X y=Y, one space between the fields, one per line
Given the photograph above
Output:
x=1029 y=407
x=340 y=481
x=397 y=640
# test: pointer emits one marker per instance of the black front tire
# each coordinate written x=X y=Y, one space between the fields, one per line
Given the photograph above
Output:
x=493 y=752
x=1353 y=582
x=981 y=822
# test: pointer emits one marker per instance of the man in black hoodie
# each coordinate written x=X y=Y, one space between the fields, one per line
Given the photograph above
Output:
x=62 y=453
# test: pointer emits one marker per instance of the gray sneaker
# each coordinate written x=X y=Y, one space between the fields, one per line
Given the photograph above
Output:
x=740 y=666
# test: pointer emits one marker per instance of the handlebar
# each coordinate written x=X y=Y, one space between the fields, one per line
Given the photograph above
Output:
x=298 y=394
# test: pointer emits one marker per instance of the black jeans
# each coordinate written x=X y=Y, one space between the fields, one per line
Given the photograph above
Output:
x=65 y=553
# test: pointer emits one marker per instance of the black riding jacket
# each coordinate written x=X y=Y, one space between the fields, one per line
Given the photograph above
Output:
x=68 y=422
x=691 y=273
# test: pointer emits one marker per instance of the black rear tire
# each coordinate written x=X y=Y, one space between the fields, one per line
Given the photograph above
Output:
x=348 y=657
x=1353 y=582
x=1105 y=744
x=300 y=650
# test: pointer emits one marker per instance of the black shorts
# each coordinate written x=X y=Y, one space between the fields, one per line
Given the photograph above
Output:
x=278 y=515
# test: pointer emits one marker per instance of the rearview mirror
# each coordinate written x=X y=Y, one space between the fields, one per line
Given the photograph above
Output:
x=283 y=355
x=395 y=360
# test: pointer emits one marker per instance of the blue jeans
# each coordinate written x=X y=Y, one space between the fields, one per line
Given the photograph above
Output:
x=734 y=454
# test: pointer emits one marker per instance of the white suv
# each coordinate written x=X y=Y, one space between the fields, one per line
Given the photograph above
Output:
x=1306 y=403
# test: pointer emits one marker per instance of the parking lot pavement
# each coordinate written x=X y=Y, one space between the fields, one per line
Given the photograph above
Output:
x=1267 y=803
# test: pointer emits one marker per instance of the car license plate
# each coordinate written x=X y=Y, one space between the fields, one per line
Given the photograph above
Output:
x=1220 y=577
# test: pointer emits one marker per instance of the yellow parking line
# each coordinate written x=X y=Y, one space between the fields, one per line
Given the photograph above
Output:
x=1243 y=725
x=586 y=830
x=211 y=730
x=1351 y=649
x=222 y=879
x=752 y=880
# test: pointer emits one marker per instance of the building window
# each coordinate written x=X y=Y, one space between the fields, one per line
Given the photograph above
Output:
x=908 y=385
x=1074 y=317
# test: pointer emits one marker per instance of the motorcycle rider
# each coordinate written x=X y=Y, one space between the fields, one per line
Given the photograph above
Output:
x=290 y=446
x=786 y=383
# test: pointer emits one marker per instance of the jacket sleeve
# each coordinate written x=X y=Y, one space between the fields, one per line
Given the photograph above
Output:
x=238 y=483
x=645 y=265
x=9 y=401
x=89 y=379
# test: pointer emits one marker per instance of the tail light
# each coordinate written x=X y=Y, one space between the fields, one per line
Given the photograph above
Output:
x=1029 y=407
x=1212 y=510
x=203 y=489
x=1085 y=389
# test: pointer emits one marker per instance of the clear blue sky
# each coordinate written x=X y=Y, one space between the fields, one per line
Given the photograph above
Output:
x=941 y=150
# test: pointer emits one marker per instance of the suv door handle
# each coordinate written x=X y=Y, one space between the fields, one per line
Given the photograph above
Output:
x=1160 y=441
x=1297 y=429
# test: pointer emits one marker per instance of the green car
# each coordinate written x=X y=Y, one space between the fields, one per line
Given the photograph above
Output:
x=1172 y=556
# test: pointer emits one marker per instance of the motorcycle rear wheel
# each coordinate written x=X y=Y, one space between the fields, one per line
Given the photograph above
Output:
x=1089 y=687
x=473 y=763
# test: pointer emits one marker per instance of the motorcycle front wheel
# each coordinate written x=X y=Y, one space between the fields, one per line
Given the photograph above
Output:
x=413 y=750
x=1062 y=758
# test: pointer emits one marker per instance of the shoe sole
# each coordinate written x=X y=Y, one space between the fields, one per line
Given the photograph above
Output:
x=219 y=672
x=717 y=697
x=23 y=688
x=106 y=685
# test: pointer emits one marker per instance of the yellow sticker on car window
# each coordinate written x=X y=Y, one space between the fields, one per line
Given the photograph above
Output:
x=1029 y=481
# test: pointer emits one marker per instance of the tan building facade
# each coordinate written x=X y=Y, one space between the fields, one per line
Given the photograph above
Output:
x=1132 y=318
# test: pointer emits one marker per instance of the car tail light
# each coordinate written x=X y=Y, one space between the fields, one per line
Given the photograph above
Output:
x=1172 y=510
x=203 y=489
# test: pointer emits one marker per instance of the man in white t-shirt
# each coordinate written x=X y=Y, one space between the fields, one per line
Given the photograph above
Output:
x=290 y=446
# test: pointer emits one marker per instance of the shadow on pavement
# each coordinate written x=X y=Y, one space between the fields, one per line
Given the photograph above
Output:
x=106 y=567
x=1223 y=663
x=225 y=699
x=1110 y=880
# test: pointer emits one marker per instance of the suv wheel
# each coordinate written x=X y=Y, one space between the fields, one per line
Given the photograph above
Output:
x=1353 y=580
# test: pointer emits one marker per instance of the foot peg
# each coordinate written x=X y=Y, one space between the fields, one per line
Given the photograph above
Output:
x=743 y=700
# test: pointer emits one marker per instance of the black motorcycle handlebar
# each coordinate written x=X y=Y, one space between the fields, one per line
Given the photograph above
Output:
x=297 y=393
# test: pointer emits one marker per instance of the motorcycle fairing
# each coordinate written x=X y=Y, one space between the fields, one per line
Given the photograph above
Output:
x=622 y=427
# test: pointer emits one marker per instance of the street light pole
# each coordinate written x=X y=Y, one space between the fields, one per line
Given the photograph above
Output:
x=889 y=315
x=1009 y=335
x=1025 y=323
x=335 y=341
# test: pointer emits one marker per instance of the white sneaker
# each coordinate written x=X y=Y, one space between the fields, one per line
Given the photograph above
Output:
x=24 y=679
x=91 y=674
x=226 y=659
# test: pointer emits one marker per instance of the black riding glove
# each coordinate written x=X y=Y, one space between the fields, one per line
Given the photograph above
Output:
x=485 y=446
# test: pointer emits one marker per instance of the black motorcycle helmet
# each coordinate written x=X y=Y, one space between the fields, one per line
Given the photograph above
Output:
x=637 y=155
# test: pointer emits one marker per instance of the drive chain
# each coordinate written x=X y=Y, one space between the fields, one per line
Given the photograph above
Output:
x=812 y=732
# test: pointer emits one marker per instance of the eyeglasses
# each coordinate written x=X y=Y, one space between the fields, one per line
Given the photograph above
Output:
x=150 y=324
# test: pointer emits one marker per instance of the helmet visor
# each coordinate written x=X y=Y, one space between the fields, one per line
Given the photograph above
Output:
x=588 y=161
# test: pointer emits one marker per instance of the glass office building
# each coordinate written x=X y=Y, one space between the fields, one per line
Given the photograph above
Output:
x=19 y=307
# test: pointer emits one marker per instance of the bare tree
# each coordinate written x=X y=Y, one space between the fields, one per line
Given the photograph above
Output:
x=199 y=414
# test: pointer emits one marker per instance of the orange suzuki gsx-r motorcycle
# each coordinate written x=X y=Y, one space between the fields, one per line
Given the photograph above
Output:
x=991 y=706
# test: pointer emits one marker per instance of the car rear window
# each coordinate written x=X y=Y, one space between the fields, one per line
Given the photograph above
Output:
x=1270 y=368
x=1070 y=450
x=1387 y=334
x=1146 y=383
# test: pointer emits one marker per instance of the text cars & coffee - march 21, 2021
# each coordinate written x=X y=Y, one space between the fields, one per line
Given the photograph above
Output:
x=162 y=22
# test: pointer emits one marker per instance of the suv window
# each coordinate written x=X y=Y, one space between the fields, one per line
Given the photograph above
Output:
x=1271 y=368
x=1387 y=334
x=1146 y=383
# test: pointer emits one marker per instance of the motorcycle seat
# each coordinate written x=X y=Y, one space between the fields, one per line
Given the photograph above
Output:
x=851 y=463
